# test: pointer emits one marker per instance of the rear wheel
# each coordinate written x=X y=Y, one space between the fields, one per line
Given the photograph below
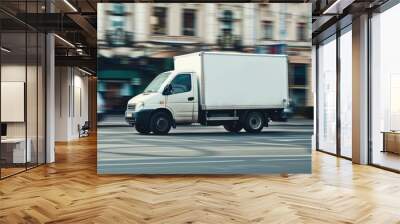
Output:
x=254 y=122
x=234 y=127
x=160 y=123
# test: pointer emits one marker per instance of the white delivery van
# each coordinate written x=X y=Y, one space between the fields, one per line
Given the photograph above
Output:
x=236 y=90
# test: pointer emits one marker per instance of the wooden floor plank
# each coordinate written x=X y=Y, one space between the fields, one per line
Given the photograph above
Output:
x=70 y=191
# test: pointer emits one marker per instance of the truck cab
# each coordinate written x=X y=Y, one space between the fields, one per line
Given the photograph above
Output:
x=170 y=99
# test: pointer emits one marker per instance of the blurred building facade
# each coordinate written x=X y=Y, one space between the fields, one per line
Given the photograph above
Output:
x=147 y=33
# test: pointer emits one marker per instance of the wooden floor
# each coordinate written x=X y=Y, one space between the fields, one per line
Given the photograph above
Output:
x=70 y=191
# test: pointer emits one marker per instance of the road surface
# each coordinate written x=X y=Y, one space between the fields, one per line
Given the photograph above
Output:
x=280 y=148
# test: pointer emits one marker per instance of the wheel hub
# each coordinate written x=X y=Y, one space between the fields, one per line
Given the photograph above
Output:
x=255 y=122
x=161 y=123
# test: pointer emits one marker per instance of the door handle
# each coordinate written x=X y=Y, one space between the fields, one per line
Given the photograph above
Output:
x=190 y=98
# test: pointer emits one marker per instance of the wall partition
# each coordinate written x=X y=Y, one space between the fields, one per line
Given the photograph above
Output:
x=22 y=77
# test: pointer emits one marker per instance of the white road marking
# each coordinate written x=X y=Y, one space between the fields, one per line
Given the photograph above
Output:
x=183 y=162
x=196 y=150
x=216 y=156
x=196 y=162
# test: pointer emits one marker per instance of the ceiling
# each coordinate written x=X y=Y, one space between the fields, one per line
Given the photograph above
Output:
x=330 y=14
x=75 y=21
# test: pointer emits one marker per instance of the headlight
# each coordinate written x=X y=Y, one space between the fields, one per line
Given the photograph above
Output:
x=139 y=106
x=131 y=106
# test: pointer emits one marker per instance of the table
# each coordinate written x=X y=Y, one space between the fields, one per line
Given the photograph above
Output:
x=13 y=150
x=391 y=141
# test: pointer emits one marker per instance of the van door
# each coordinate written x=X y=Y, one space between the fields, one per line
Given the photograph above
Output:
x=181 y=100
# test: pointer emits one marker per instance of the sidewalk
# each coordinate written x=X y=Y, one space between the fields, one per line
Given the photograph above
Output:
x=296 y=121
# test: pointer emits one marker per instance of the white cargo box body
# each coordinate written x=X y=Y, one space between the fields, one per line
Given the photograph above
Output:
x=238 y=80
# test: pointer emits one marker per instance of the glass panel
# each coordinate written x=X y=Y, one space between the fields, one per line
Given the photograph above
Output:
x=22 y=88
x=327 y=96
x=385 y=93
x=41 y=111
x=41 y=98
x=346 y=94
x=13 y=87
x=32 y=86
x=31 y=98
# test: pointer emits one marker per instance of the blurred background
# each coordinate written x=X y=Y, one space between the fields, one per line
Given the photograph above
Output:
x=137 y=41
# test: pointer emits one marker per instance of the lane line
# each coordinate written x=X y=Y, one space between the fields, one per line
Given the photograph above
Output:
x=216 y=156
x=150 y=153
x=166 y=163
x=197 y=162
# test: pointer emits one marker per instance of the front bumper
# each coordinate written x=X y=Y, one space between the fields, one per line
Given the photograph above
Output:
x=141 y=117
x=130 y=117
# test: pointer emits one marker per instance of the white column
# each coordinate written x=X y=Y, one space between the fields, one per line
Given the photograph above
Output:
x=199 y=26
x=142 y=21
x=174 y=20
x=314 y=93
x=50 y=99
x=360 y=90
x=248 y=30
x=101 y=21
x=211 y=23
x=130 y=19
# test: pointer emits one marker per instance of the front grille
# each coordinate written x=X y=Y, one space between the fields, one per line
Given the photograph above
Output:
x=131 y=107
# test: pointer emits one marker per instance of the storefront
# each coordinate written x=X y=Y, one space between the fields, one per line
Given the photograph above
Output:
x=385 y=89
x=359 y=69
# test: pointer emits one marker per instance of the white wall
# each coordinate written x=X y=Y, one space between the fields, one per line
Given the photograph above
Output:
x=71 y=102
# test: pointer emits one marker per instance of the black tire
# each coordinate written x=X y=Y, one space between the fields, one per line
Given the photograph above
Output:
x=254 y=122
x=142 y=130
x=160 y=123
x=234 y=127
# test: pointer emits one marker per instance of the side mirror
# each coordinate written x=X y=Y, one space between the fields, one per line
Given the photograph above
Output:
x=167 y=90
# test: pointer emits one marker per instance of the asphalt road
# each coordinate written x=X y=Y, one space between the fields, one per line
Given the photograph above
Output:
x=280 y=148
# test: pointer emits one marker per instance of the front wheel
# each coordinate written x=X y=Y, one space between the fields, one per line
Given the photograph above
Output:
x=160 y=123
x=142 y=130
x=233 y=127
x=254 y=122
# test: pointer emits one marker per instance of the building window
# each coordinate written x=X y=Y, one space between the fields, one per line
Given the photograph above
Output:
x=118 y=9
x=299 y=74
x=301 y=32
x=298 y=98
x=227 y=22
x=268 y=30
x=189 y=22
x=159 y=20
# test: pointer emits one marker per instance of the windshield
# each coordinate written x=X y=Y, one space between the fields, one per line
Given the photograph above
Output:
x=155 y=85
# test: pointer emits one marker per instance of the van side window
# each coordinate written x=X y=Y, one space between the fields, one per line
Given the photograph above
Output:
x=181 y=83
